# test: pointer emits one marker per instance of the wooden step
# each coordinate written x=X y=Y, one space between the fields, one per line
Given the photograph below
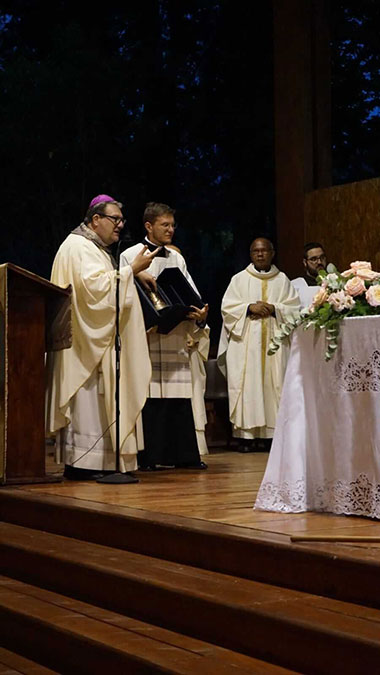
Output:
x=79 y=638
x=273 y=624
x=333 y=570
x=11 y=664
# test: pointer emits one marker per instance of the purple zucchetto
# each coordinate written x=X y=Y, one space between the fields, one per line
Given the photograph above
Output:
x=99 y=199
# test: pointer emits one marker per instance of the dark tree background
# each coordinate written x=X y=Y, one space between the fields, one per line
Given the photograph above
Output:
x=167 y=101
x=151 y=100
x=355 y=89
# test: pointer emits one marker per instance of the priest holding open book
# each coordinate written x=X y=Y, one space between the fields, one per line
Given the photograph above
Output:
x=172 y=420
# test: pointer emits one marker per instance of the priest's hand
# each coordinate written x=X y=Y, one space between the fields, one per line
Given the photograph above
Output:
x=200 y=315
x=146 y=280
x=260 y=310
x=271 y=308
x=143 y=260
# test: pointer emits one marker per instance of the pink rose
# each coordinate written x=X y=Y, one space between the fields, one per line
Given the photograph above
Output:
x=373 y=295
x=347 y=273
x=355 y=286
x=340 y=301
x=319 y=298
x=367 y=274
x=360 y=265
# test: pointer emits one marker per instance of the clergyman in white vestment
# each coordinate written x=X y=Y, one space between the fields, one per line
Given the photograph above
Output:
x=81 y=379
x=174 y=415
x=256 y=302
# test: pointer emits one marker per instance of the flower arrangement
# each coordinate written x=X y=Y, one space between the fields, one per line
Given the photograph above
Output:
x=354 y=292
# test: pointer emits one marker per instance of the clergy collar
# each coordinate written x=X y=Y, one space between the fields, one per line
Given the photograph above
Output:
x=251 y=269
x=163 y=253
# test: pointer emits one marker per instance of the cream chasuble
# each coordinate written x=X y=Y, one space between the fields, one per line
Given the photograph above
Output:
x=91 y=359
x=254 y=378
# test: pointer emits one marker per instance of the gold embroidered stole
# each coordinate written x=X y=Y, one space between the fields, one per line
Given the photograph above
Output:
x=264 y=297
x=264 y=327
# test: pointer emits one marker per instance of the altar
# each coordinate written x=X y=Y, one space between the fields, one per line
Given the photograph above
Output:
x=325 y=454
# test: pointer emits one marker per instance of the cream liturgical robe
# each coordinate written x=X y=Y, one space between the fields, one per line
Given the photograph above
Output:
x=84 y=375
x=198 y=351
x=254 y=378
x=178 y=358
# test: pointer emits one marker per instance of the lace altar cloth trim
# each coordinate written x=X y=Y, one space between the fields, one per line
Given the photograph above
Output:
x=359 y=497
x=354 y=377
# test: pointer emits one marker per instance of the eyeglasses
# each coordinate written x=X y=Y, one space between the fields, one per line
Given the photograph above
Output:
x=117 y=220
x=315 y=258
x=266 y=251
x=169 y=226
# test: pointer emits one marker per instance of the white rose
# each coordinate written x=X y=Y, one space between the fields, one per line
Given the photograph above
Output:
x=355 y=286
x=360 y=265
x=373 y=295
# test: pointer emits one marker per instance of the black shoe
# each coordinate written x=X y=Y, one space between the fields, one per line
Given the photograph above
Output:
x=75 y=473
x=263 y=444
x=148 y=467
x=202 y=466
x=246 y=447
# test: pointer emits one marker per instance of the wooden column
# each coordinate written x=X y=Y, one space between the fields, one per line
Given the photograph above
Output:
x=302 y=118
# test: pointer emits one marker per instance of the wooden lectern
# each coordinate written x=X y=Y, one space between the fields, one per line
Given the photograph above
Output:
x=34 y=318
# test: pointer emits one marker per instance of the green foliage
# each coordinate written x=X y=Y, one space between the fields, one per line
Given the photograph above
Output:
x=327 y=315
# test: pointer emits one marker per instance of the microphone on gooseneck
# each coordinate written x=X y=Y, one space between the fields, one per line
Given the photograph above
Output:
x=125 y=240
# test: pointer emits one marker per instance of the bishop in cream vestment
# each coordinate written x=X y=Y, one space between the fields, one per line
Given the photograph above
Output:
x=254 y=378
x=81 y=380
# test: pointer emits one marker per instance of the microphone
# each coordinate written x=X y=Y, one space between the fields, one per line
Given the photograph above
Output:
x=125 y=240
x=125 y=237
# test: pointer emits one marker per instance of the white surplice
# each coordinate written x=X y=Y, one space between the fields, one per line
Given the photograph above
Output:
x=306 y=293
x=177 y=358
x=198 y=350
x=81 y=380
x=254 y=378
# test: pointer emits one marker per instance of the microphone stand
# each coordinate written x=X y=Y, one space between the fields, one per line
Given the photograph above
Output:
x=117 y=478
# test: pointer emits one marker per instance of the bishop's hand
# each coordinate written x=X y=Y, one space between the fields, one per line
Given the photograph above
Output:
x=147 y=281
x=143 y=260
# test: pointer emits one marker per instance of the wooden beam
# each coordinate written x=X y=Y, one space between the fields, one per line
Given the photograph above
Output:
x=302 y=118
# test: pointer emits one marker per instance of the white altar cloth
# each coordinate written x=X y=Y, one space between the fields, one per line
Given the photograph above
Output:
x=325 y=454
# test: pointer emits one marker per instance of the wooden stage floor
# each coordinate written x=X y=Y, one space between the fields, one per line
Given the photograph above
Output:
x=223 y=494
